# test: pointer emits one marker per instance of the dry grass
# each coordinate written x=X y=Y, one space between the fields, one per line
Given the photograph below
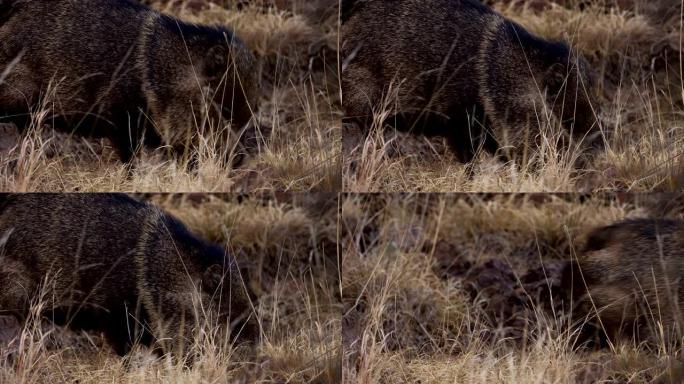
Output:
x=299 y=102
x=288 y=246
x=412 y=314
x=637 y=54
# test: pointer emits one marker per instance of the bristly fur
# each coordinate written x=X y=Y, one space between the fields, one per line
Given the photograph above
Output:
x=465 y=72
x=129 y=73
x=118 y=266
x=626 y=272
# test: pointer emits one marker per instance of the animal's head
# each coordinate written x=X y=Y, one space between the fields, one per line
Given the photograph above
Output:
x=230 y=69
x=578 y=281
x=571 y=90
x=225 y=288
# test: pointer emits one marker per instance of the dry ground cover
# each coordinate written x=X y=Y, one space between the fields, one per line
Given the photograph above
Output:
x=287 y=244
x=466 y=288
x=295 y=44
x=635 y=46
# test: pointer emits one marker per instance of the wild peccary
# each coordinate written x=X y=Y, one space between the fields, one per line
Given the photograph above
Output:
x=462 y=71
x=109 y=263
x=630 y=274
x=118 y=69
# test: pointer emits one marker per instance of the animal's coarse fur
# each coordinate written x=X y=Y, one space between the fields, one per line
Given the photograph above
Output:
x=460 y=70
x=109 y=263
x=630 y=274
x=119 y=69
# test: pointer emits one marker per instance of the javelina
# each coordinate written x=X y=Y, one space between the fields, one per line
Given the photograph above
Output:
x=462 y=71
x=109 y=263
x=118 y=69
x=630 y=274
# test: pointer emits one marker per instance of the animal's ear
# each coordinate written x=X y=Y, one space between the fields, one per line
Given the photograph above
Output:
x=7 y=4
x=213 y=277
x=600 y=238
x=555 y=77
x=6 y=8
x=216 y=61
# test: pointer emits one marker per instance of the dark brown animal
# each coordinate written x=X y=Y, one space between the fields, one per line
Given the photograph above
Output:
x=118 y=69
x=460 y=70
x=109 y=263
x=627 y=281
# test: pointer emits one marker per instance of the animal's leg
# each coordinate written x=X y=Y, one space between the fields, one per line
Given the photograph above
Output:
x=124 y=329
x=125 y=135
x=358 y=97
x=17 y=290
x=174 y=325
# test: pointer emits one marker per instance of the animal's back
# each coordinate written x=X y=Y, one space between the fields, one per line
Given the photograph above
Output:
x=433 y=45
x=83 y=50
x=84 y=242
